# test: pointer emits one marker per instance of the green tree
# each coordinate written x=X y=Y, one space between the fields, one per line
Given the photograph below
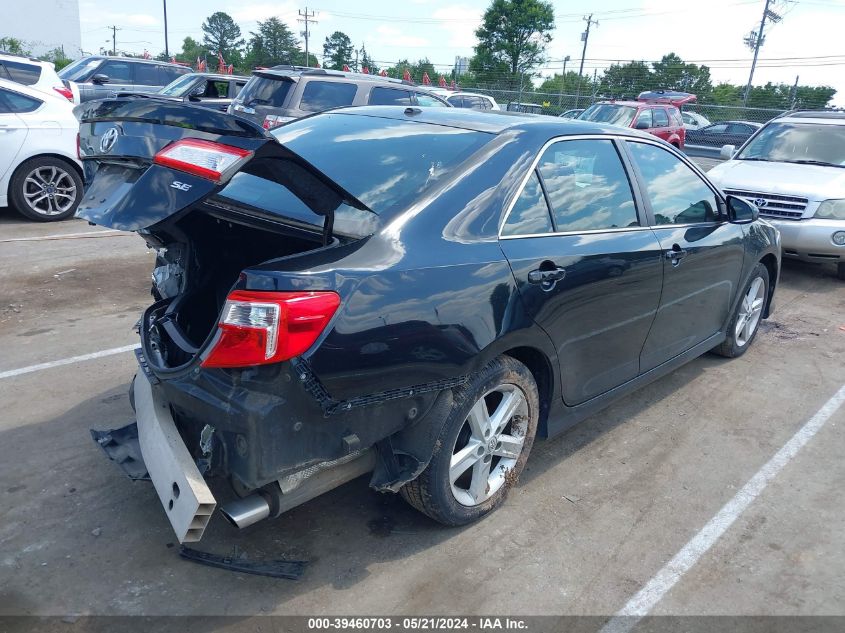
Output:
x=14 y=46
x=222 y=35
x=272 y=43
x=58 y=57
x=726 y=94
x=513 y=36
x=337 y=51
x=626 y=80
x=672 y=73
x=368 y=62
x=191 y=50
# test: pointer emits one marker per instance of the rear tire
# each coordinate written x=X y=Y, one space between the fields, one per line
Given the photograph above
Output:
x=45 y=189
x=483 y=446
x=745 y=322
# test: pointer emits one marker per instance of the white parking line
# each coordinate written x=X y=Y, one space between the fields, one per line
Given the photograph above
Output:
x=67 y=361
x=63 y=236
x=644 y=601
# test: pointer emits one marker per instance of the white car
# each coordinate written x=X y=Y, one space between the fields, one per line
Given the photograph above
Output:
x=35 y=74
x=40 y=171
x=472 y=100
x=793 y=169
x=694 y=120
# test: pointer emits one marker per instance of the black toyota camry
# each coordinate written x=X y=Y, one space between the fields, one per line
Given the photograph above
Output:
x=413 y=293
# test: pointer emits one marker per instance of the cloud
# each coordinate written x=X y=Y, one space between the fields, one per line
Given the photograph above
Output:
x=460 y=22
x=392 y=36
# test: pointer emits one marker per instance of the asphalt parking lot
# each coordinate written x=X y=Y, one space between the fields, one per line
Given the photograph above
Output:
x=597 y=515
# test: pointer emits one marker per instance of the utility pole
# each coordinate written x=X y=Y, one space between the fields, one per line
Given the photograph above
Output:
x=755 y=41
x=793 y=101
x=307 y=18
x=585 y=36
x=562 y=81
x=166 y=48
x=114 y=31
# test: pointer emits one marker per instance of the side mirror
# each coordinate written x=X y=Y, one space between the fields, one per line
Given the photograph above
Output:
x=741 y=211
x=641 y=125
x=100 y=79
x=727 y=152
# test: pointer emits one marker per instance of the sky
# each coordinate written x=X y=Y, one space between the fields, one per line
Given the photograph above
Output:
x=806 y=42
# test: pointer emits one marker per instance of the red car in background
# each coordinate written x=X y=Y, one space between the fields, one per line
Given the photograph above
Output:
x=657 y=115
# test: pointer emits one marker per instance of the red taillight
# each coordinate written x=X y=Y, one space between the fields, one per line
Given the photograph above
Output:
x=273 y=120
x=257 y=328
x=65 y=92
x=205 y=159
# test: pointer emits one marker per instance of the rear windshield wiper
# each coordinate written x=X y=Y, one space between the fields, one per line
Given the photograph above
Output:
x=257 y=101
x=813 y=162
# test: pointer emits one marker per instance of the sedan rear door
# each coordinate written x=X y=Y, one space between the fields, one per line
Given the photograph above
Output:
x=13 y=129
x=703 y=254
x=588 y=267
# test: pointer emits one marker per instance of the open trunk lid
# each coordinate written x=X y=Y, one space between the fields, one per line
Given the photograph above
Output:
x=130 y=190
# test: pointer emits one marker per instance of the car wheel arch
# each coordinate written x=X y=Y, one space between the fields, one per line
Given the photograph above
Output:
x=771 y=263
x=540 y=366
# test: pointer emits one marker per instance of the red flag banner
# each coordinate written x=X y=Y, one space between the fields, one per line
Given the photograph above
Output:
x=453 y=85
x=407 y=75
x=383 y=73
x=365 y=70
x=426 y=79
x=345 y=68
x=442 y=81
x=231 y=69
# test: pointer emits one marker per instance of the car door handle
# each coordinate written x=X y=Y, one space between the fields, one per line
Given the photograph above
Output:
x=541 y=276
x=675 y=254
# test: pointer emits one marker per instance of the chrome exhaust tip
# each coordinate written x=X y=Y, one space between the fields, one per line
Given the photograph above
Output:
x=244 y=512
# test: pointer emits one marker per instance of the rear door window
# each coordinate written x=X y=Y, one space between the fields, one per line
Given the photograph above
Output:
x=389 y=96
x=13 y=102
x=322 y=95
x=26 y=74
x=677 y=194
x=456 y=101
x=660 y=118
x=587 y=186
x=530 y=213
x=146 y=75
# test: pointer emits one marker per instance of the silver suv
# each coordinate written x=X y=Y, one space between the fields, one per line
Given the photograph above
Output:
x=98 y=77
x=280 y=94
x=793 y=169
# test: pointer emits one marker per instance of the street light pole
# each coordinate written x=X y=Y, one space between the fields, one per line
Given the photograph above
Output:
x=562 y=81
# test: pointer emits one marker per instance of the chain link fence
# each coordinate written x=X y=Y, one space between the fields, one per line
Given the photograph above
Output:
x=554 y=104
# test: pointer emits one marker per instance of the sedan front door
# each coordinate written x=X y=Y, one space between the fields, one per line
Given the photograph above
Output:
x=587 y=266
x=702 y=253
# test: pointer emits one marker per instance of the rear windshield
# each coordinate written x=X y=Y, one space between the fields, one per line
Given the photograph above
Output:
x=385 y=163
x=811 y=143
x=324 y=95
x=609 y=113
x=265 y=91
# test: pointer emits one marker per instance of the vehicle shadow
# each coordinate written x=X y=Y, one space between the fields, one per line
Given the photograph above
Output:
x=110 y=549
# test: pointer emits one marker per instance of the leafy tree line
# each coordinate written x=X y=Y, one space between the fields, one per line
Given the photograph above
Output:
x=18 y=47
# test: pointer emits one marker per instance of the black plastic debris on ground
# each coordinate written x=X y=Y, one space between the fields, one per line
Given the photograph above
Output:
x=123 y=448
x=289 y=569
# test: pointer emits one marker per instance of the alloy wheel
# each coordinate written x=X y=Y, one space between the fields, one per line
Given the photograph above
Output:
x=749 y=312
x=488 y=445
x=49 y=190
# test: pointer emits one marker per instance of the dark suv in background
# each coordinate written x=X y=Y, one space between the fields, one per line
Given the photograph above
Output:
x=283 y=93
x=97 y=77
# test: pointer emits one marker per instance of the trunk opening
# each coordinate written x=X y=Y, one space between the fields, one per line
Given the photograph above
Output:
x=199 y=259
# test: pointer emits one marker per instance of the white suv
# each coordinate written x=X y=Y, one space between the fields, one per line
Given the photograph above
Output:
x=33 y=73
x=793 y=169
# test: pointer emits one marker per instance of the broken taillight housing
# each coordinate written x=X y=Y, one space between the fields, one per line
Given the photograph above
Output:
x=274 y=120
x=258 y=328
x=206 y=159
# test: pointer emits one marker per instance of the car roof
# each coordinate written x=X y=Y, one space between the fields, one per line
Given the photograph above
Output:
x=138 y=60
x=305 y=72
x=634 y=104
x=491 y=121
x=219 y=76
x=829 y=117
x=23 y=58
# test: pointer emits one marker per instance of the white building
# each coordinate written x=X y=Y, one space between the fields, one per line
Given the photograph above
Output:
x=43 y=25
x=461 y=65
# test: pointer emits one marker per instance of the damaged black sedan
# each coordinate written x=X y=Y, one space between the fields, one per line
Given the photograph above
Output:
x=411 y=293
